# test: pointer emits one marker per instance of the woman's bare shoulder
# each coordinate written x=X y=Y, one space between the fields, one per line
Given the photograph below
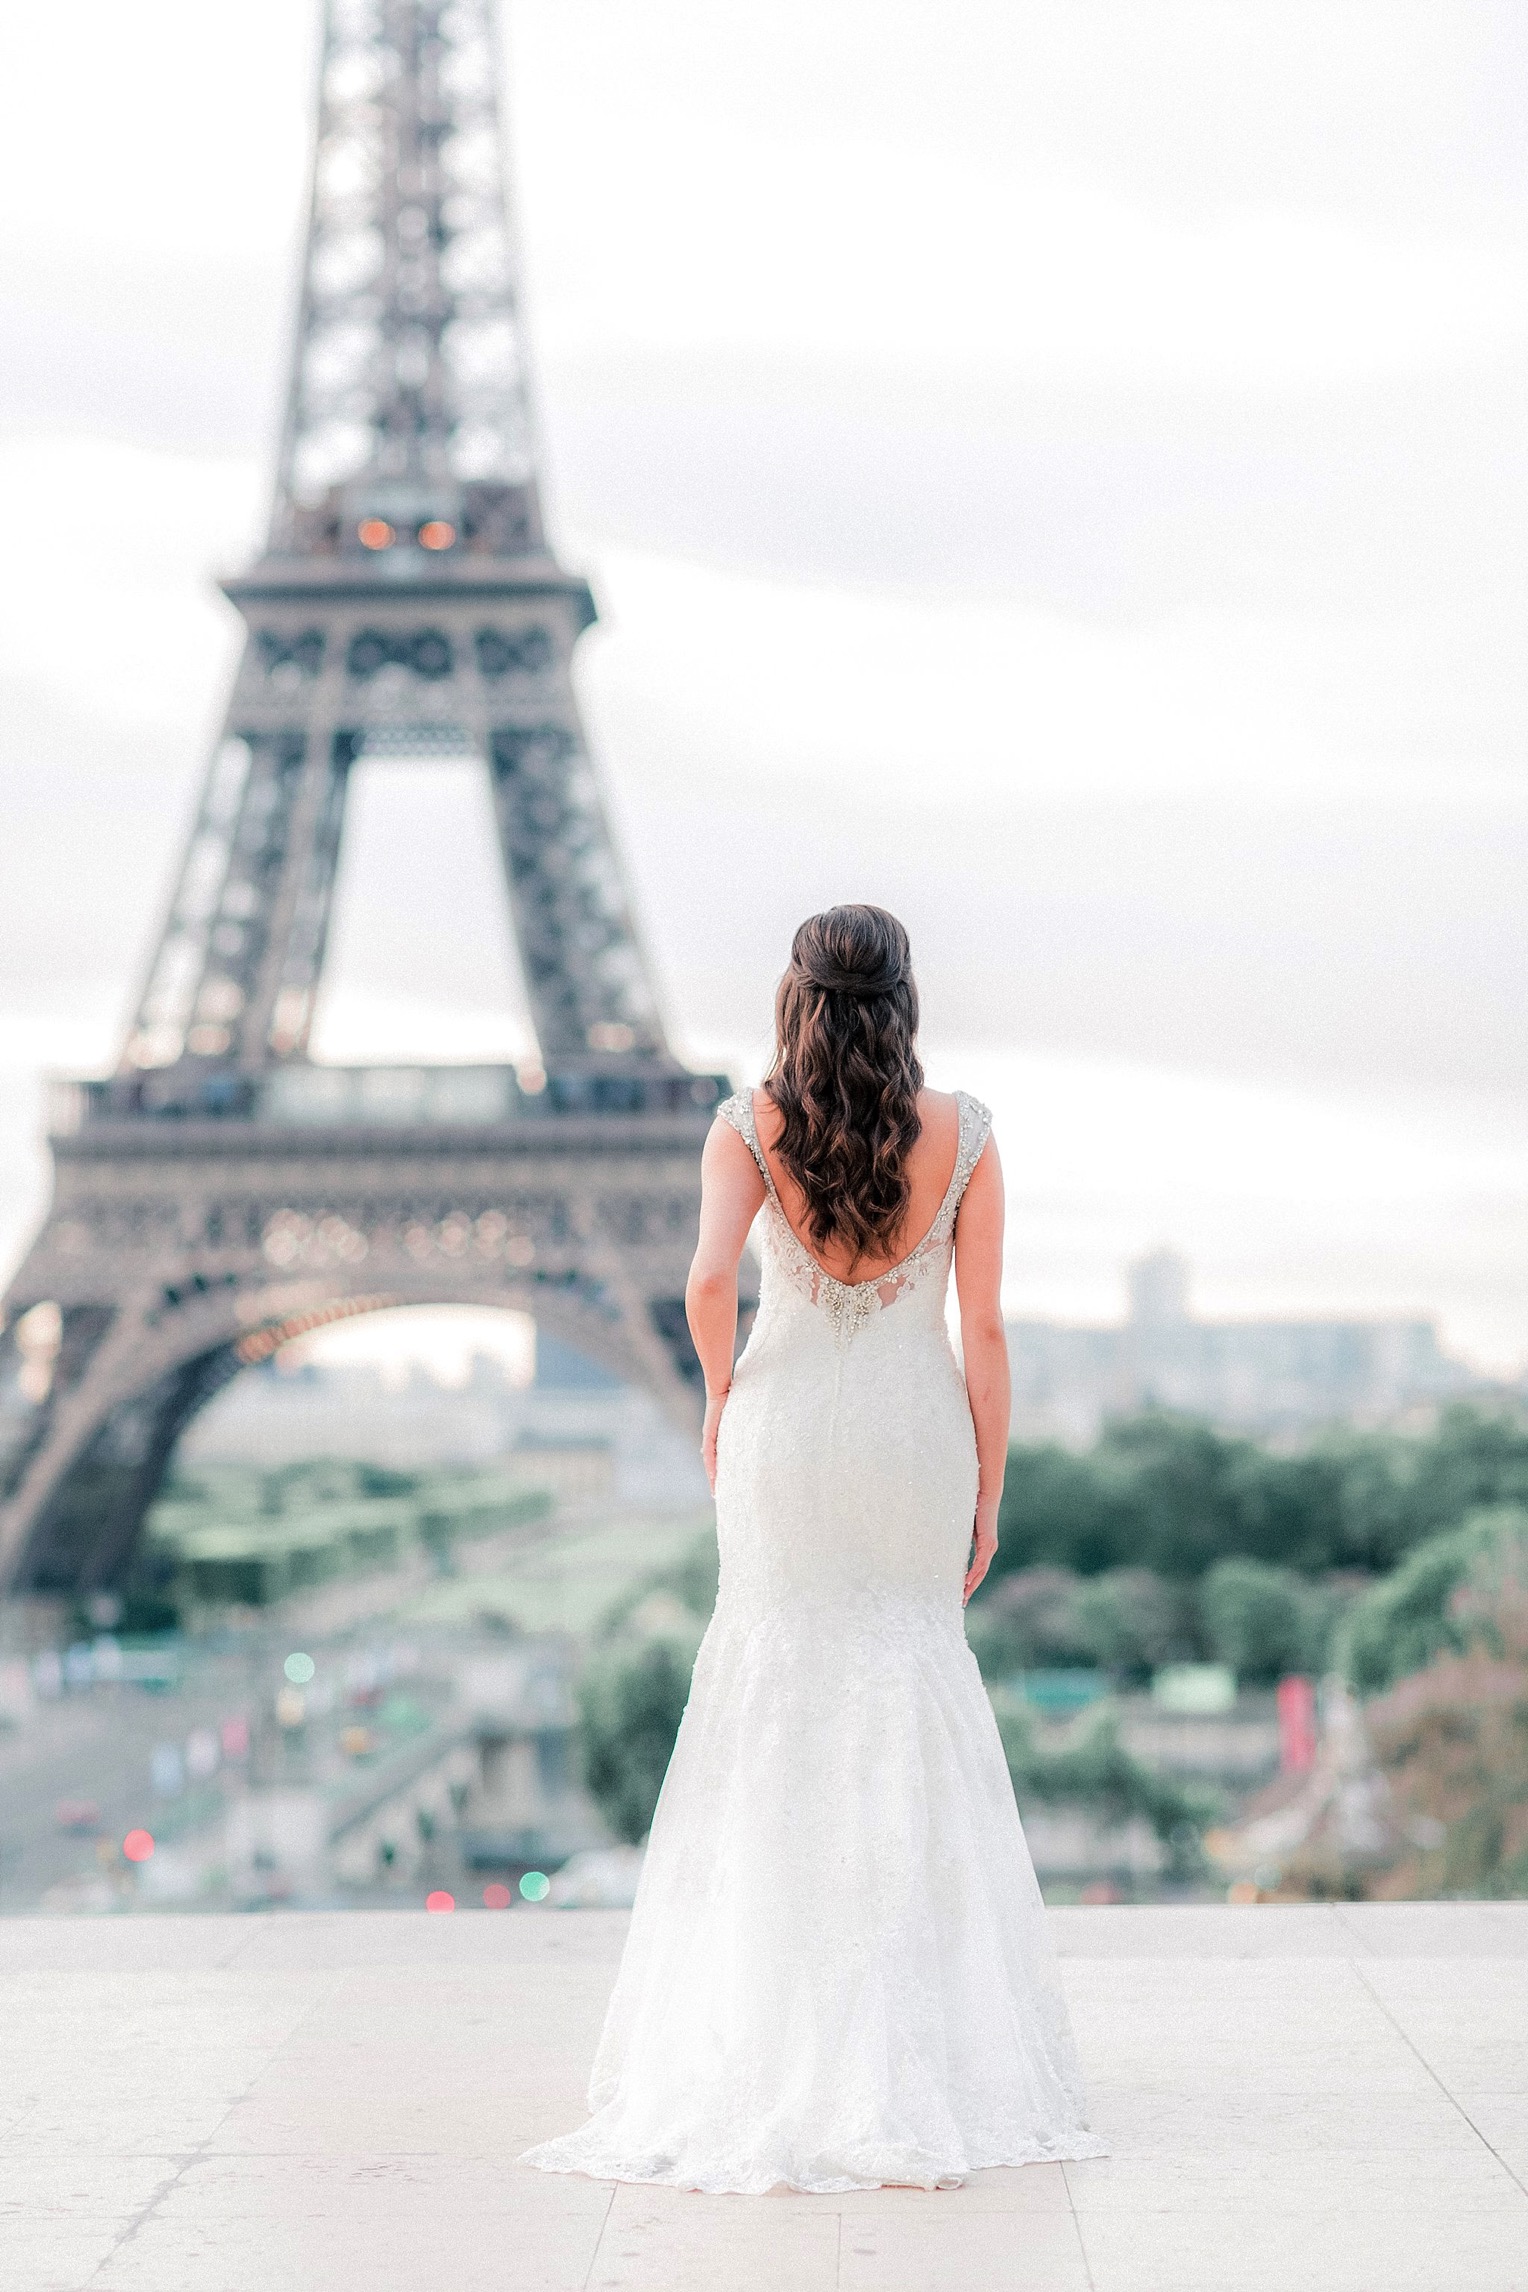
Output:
x=767 y=1117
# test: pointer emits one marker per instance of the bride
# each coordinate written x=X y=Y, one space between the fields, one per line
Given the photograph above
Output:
x=838 y=1974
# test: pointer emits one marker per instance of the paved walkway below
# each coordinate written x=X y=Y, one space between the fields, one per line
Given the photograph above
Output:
x=1334 y=2098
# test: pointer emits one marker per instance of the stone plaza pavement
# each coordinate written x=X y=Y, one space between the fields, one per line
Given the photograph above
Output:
x=1326 y=2097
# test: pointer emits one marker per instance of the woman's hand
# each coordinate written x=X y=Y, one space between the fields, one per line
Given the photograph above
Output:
x=715 y=1403
x=984 y=1546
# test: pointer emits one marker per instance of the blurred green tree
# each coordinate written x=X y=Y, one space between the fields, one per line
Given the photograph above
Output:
x=1028 y=1621
x=1132 y=1621
x=630 y=1706
x=1093 y=1770
x=1164 y=1493
x=1264 y=1621
x=1440 y=1600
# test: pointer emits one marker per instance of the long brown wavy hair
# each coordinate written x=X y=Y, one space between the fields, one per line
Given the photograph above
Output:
x=845 y=1075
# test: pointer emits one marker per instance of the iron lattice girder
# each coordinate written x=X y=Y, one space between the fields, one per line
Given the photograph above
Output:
x=406 y=604
x=409 y=360
x=333 y=671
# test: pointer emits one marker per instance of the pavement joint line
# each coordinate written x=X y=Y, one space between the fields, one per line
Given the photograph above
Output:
x=1082 y=2242
x=238 y=1944
x=1347 y=1927
x=147 y=2212
x=203 y=2148
x=1452 y=2099
x=594 y=2253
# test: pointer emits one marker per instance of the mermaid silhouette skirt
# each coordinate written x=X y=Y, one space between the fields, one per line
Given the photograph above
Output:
x=837 y=1974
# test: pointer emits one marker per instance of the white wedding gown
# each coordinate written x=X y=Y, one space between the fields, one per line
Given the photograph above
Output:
x=837 y=1974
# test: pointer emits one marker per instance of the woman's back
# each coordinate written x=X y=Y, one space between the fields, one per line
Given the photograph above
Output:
x=846 y=1462
x=927 y=1168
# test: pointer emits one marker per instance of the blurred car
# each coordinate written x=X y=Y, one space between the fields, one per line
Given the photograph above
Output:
x=81 y=1816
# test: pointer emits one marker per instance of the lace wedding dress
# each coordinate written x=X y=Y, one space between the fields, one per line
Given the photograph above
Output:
x=837 y=1974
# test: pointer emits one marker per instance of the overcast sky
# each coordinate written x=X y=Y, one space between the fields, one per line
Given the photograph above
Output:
x=1057 y=470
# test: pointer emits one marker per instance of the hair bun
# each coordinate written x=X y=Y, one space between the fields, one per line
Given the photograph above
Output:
x=854 y=950
x=833 y=980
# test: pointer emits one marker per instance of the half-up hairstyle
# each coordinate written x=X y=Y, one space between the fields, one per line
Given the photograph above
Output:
x=845 y=1075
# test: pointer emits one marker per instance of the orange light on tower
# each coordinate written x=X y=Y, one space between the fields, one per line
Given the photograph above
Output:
x=436 y=534
x=375 y=533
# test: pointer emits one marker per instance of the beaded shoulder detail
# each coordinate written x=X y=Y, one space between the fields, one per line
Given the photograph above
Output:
x=850 y=1304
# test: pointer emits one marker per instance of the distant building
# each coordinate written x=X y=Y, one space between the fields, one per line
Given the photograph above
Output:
x=276 y=1415
x=1264 y=1377
x=582 y=1433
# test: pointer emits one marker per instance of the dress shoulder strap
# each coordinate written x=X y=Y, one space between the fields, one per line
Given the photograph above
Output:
x=738 y=1112
x=975 y=1130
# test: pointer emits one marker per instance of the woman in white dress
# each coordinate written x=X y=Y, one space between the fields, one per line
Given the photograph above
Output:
x=838 y=1974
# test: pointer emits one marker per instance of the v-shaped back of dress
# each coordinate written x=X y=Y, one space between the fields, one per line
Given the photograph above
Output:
x=846 y=1459
x=849 y=1305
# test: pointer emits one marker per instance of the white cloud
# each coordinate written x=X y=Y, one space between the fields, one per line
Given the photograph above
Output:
x=111 y=600
x=918 y=259
x=184 y=131
x=733 y=679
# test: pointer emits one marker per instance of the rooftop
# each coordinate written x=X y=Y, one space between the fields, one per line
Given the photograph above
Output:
x=1326 y=2096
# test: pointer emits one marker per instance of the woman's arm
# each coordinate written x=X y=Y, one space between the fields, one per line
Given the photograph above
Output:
x=731 y=1196
x=979 y=1284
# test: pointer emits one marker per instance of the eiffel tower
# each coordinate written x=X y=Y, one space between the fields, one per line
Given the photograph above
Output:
x=222 y=1192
